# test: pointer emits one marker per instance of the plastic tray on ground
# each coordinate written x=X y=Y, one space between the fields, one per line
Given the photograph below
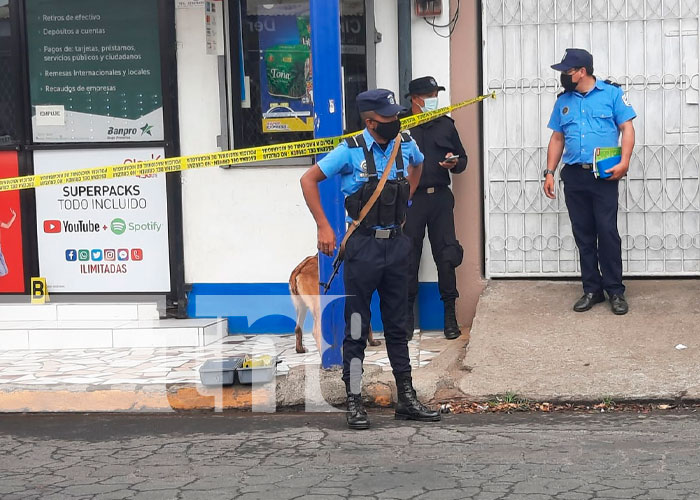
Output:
x=217 y=372
x=258 y=375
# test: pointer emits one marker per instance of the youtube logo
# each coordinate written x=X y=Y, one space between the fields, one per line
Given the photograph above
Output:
x=52 y=226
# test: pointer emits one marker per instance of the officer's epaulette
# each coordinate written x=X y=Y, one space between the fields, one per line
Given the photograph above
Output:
x=354 y=141
x=561 y=94
x=406 y=136
x=610 y=82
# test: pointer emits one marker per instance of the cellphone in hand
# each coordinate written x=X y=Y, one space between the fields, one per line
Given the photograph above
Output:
x=452 y=158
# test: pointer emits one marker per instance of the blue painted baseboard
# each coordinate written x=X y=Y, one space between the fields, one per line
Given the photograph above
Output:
x=267 y=307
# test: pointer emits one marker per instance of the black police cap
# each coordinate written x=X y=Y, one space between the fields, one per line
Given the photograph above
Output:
x=423 y=85
x=574 y=58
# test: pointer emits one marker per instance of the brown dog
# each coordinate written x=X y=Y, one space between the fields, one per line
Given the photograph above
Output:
x=304 y=287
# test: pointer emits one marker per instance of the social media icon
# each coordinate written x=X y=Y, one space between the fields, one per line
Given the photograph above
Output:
x=71 y=255
x=52 y=226
x=118 y=226
x=136 y=254
x=122 y=254
x=96 y=255
x=110 y=254
x=83 y=255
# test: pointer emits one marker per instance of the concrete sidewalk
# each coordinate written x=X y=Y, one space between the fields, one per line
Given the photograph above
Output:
x=163 y=379
x=526 y=339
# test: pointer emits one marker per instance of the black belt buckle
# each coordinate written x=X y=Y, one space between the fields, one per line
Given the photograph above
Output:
x=585 y=166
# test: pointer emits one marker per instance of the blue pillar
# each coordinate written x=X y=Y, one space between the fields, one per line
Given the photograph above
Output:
x=328 y=122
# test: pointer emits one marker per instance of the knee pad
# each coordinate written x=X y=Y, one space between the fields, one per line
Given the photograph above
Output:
x=452 y=253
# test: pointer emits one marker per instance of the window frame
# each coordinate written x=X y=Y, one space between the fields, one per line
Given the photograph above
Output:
x=232 y=108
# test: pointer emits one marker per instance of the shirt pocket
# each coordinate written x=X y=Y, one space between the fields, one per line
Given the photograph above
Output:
x=441 y=148
x=360 y=174
x=567 y=121
x=602 y=119
x=444 y=145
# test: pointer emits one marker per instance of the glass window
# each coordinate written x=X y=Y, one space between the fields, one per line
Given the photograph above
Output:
x=277 y=67
x=353 y=38
x=10 y=107
x=95 y=71
x=276 y=85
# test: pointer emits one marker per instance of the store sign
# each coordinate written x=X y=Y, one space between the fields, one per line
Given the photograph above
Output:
x=106 y=236
x=214 y=27
x=286 y=75
x=189 y=4
x=11 y=260
x=95 y=70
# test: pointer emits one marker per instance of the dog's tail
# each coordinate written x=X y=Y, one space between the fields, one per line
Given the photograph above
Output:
x=293 y=284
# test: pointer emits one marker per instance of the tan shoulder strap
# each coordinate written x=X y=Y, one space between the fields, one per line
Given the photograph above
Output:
x=375 y=196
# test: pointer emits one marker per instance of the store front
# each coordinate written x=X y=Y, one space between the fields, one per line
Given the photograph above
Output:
x=85 y=84
x=269 y=89
x=247 y=228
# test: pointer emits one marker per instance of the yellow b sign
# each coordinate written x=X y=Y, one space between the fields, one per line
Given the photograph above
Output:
x=40 y=293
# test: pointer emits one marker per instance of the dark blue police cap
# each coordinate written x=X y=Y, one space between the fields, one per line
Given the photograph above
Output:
x=574 y=58
x=381 y=101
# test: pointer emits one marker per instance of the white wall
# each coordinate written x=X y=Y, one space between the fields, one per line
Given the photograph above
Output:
x=386 y=22
x=431 y=57
x=251 y=225
x=242 y=225
x=431 y=53
x=198 y=86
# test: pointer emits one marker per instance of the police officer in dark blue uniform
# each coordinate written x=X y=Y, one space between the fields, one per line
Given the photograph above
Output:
x=377 y=253
x=590 y=114
x=433 y=204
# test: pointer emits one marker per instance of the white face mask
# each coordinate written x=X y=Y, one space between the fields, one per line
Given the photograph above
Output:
x=429 y=104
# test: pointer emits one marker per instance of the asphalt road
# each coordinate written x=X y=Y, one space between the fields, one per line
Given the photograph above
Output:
x=287 y=456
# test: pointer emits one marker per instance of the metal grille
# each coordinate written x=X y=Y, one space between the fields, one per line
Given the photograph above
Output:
x=650 y=47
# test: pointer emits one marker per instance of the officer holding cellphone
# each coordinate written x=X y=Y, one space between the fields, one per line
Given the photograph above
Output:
x=433 y=203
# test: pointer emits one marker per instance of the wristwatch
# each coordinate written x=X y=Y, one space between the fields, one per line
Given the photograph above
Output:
x=547 y=172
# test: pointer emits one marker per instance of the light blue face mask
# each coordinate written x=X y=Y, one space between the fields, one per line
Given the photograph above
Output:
x=429 y=104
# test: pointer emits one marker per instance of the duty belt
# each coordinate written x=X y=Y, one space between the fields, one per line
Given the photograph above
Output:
x=585 y=166
x=380 y=234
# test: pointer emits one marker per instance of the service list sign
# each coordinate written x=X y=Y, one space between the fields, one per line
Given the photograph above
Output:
x=106 y=236
x=95 y=70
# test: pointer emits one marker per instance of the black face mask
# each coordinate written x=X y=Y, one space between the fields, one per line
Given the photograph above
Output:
x=568 y=83
x=388 y=130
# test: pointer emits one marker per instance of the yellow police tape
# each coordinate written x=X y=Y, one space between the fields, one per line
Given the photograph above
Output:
x=220 y=159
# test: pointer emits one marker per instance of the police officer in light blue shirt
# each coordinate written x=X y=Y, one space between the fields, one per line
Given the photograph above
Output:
x=591 y=114
x=347 y=160
x=377 y=253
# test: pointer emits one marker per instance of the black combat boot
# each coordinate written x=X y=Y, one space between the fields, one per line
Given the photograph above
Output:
x=357 y=415
x=451 y=327
x=408 y=407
